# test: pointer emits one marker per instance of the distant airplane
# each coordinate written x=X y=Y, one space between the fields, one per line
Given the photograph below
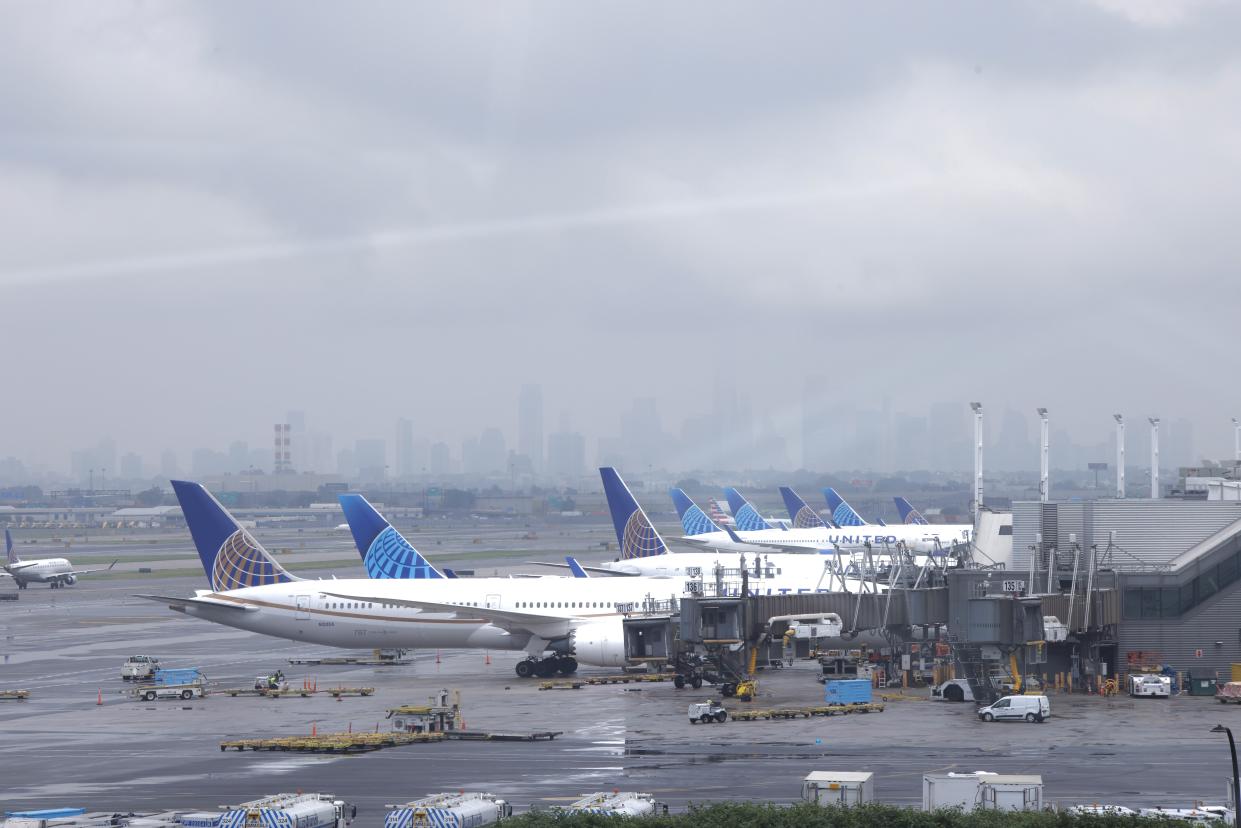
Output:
x=842 y=513
x=55 y=572
x=745 y=515
x=908 y=513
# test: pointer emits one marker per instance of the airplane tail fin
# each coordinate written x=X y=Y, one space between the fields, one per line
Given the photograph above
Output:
x=230 y=555
x=745 y=516
x=575 y=567
x=908 y=513
x=800 y=513
x=384 y=551
x=842 y=513
x=694 y=521
x=11 y=556
x=634 y=532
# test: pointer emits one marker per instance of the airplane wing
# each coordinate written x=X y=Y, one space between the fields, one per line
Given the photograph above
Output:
x=598 y=569
x=77 y=572
x=18 y=567
x=182 y=603
x=550 y=627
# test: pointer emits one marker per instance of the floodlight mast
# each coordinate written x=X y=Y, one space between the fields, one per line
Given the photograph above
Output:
x=1154 y=421
x=1120 y=455
x=1044 y=485
x=977 y=408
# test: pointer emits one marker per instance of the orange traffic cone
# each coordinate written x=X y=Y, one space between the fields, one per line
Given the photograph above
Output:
x=99 y=698
x=487 y=658
x=314 y=728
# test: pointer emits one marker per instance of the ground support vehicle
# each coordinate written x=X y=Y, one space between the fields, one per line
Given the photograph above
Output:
x=173 y=684
x=1017 y=708
x=279 y=811
x=707 y=712
x=451 y=810
x=139 y=667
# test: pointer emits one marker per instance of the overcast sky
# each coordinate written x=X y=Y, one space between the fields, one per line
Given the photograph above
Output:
x=211 y=213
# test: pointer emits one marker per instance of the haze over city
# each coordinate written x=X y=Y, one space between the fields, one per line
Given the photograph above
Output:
x=824 y=227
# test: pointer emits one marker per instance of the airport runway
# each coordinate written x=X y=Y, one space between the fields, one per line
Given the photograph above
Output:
x=62 y=749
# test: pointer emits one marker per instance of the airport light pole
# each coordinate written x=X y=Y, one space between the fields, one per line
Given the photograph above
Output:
x=1154 y=421
x=1120 y=454
x=977 y=408
x=1236 y=778
x=1044 y=486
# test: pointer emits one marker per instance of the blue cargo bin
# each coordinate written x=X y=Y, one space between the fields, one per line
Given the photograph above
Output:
x=852 y=691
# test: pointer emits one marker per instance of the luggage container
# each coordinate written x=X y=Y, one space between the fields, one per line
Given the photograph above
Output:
x=1011 y=792
x=838 y=788
x=982 y=790
x=848 y=691
x=951 y=790
x=449 y=810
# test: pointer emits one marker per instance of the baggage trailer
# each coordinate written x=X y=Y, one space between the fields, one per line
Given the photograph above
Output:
x=449 y=810
x=173 y=684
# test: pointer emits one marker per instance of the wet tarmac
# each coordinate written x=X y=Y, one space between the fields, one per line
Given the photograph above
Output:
x=66 y=646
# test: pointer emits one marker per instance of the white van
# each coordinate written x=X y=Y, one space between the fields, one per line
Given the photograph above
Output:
x=1017 y=708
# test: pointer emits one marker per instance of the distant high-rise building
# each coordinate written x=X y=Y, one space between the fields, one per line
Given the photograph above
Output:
x=566 y=455
x=131 y=466
x=299 y=442
x=168 y=464
x=371 y=456
x=405 y=448
x=642 y=435
x=530 y=424
x=205 y=462
x=320 y=453
x=282 y=448
x=346 y=463
x=238 y=456
x=493 y=458
x=441 y=460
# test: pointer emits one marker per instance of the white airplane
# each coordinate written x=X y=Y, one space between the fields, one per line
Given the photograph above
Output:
x=808 y=530
x=557 y=622
x=771 y=571
x=55 y=572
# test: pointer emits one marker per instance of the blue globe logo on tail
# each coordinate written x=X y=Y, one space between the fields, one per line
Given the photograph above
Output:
x=844 y=516
x=807 y=518
x=241 y=562
x=748 y=520
x=639 y=539
x=391 y=556
x=696 y=522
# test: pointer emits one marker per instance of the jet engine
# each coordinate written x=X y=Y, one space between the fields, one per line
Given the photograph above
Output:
x=601 y=643
x=69 y=580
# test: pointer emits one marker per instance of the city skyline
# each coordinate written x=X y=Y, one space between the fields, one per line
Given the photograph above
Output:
x=727 y=437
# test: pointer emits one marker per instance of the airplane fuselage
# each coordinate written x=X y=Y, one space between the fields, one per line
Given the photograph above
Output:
x=56 y=571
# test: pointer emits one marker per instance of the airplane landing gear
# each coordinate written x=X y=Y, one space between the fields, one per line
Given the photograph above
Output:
x=546 y=667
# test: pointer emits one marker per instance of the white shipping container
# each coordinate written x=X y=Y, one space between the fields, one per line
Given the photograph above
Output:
x=838 y=788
